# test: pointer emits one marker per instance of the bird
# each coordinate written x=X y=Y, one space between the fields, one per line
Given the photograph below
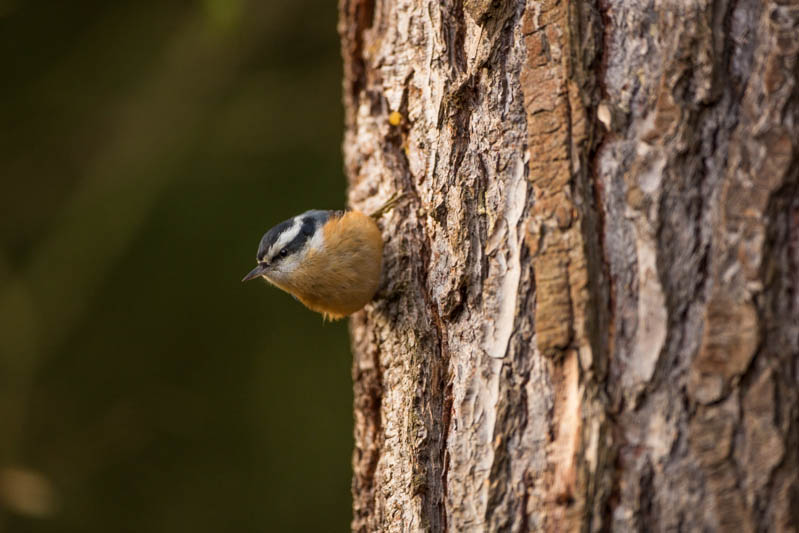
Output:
x=329 y=260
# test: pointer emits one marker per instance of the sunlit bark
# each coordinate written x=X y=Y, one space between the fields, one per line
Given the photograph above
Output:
x=589 y=314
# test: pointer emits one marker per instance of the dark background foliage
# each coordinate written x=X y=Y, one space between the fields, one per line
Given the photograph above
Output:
x=145 y=147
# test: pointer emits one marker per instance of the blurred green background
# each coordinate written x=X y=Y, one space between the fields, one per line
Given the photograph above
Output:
x=144 y=149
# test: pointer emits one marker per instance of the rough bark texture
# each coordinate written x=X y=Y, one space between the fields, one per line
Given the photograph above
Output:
x=590 y=313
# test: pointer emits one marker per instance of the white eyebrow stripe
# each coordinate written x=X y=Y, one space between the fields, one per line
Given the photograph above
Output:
x=318 y=239
x=285 y=237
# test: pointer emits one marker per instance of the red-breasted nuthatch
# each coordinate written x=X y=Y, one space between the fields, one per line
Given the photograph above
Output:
x=328 y=260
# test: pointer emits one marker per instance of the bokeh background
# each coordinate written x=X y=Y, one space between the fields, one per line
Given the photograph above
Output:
x=145 y=146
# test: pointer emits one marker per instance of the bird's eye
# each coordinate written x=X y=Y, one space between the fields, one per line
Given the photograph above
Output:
x=283 y=253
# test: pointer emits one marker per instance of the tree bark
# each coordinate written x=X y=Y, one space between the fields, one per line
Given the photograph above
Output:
x=590 y=313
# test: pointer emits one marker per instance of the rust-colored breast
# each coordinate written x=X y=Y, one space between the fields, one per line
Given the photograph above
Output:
x=343 y=276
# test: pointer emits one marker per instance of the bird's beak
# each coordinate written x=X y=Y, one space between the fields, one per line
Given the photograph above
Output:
x=255 y=272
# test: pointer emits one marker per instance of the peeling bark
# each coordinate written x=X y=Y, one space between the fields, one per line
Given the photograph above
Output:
x=590 y=312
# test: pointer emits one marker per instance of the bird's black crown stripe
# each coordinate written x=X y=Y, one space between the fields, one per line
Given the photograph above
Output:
x=310 y=220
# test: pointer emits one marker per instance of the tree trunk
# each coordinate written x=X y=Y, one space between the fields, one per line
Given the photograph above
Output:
x=590 y=313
